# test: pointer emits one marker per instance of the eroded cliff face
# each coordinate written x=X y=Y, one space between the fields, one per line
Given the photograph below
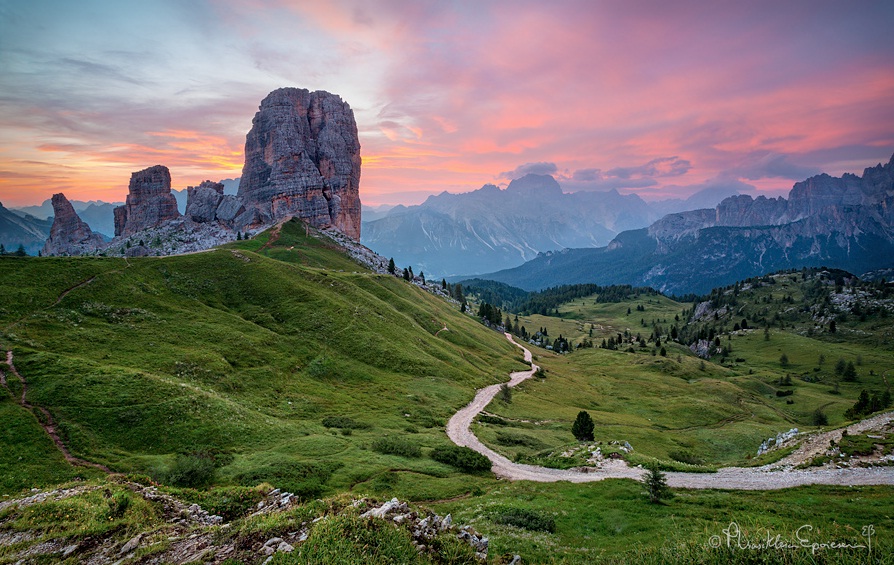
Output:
x=149 y=202
x=70 y=235
x=302 y=158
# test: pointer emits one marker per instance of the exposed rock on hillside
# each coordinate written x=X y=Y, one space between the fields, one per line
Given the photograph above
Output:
x=302 y=158
x=69 y=234
x=203 y=200
x=149 y=202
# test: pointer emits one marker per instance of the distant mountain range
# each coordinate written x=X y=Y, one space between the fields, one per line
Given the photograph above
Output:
x=22 y=229
x=845 y=222
x=490 y=229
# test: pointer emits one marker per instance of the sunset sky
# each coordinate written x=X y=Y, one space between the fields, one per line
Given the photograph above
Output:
x=654 y=97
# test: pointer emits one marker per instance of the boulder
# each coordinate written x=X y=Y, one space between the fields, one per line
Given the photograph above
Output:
x=202 y=201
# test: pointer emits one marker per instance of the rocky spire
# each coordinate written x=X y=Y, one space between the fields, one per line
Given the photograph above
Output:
x=69 y=235
x=149 y=202
x=302 y=158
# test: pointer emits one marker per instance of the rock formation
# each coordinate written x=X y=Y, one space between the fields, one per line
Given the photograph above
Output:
x=69 y=234
x=202 y=201
x=302 y=158
x=149 y=202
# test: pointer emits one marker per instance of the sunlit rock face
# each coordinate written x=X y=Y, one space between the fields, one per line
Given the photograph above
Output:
x=149 y=202
x=69 y=235
x=302 y=158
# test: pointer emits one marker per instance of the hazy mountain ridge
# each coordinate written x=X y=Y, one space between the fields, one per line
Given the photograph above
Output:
x=22 y=229
x=492 y=228
x=845 y=222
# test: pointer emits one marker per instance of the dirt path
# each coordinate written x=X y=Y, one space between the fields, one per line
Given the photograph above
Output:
x=45 y=419
x=776 y=476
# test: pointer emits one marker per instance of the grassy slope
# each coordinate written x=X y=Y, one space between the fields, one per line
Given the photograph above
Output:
x=718 y=412
x=234 y=351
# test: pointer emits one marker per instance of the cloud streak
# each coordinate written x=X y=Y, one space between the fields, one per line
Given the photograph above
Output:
x=652 y=97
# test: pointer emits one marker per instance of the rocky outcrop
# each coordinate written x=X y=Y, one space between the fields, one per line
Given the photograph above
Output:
x=70 y=235
x=149 y=202
x=302 y=159
x=202 y=201
x=845 y=223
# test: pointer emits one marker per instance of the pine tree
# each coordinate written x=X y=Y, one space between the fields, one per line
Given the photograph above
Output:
x=583 y=427
x=422 y=276
x=443 y=284
x=391 y=268
x=238 y=236
x=20 y=252
x=2 y=249
x=406 y=274
x=656 y=483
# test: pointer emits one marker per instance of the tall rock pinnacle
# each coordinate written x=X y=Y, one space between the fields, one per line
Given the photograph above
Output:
x=149 y=202
x=69 y=235
x=302 y=158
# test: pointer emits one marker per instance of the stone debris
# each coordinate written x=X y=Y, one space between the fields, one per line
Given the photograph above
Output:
x=776 y=442
x=424 y=530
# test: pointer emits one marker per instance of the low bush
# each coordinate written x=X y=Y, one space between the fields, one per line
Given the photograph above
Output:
x=488 y=419
x=345 y=423
x=511 y=439
x=396 y=446
x=527 y=519
x=461 y=458
x=686 y=457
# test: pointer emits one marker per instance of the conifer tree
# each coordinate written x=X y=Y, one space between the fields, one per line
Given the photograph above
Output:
x=583 y=427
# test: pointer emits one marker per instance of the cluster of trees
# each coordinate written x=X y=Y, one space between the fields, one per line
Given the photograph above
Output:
x=490 y=314
x=546 y=301
x=866 y=405
x=20 y=252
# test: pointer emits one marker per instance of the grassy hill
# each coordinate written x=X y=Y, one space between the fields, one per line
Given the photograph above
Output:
x=654 y=392
x=234 y=357
x=280 y=360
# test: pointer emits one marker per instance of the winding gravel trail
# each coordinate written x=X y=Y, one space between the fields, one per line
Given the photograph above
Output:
x=776 y=476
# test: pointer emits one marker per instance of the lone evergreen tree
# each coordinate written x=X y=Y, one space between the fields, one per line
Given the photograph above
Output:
x=20 y=252
x=444 y=284
x=406 y=274
x=656 y=483
x=583 y=426
x=391 y=267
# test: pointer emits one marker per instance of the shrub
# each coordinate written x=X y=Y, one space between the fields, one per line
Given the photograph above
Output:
x=656 y=483
x=396 y=446
x=190 y=470
x=527 y=519
x=461 y=458
x=505 y=394
x=344 y=422
x=305 y=480
x=513 y=439
x=820 y=418
x=118 y=504
x=686 y=457
x=488 y=419
x=781 y=393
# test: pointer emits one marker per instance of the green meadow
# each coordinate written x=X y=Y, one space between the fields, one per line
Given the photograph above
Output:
x=278 y=361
